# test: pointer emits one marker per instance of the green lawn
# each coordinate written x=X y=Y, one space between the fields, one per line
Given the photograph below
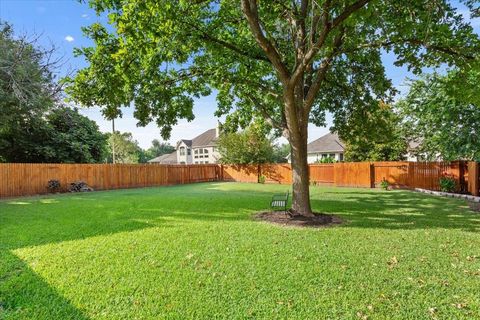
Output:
x=193 y=251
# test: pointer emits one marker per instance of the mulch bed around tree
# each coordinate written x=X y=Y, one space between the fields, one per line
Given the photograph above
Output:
x=320 y=220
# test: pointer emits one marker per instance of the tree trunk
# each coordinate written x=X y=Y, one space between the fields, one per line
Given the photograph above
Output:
x=300 y=175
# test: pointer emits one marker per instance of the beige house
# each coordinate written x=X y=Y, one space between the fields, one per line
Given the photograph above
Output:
x=199 y=150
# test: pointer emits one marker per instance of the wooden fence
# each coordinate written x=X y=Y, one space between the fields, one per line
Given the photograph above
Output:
x=399 y=174
x=18 y=179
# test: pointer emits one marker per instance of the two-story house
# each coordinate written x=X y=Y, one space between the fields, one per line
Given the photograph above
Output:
x=199 y=150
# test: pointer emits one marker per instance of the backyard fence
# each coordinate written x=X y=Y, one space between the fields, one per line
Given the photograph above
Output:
x=18 y=179
x=399 y=174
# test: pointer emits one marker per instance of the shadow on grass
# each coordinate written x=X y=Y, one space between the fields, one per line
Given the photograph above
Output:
x=42 y=220
x=25 y=295
x=400 y=210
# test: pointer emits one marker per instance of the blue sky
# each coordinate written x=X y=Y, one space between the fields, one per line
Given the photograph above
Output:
x=60 y=22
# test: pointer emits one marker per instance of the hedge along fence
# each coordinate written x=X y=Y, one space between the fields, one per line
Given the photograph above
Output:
x=18 y=179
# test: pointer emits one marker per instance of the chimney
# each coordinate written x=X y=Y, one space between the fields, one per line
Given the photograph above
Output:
x=217 y=129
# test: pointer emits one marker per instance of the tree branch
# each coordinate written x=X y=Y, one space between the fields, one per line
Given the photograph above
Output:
x=322 y=72
x=250 y=10
x=327 y=27
x=348 y=12
x=208 y=37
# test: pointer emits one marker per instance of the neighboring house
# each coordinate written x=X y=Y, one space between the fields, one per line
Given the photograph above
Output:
x=169 y=158
x=326 y=146
x=415 y=154
x=201 y=149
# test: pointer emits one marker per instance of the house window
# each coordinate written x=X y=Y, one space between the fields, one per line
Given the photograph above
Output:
x=196 y=157
x=195 y=151
x=182 y=162
x=201 y=151
x=189 y=151
x=205 y=151
x=182 y=151
x=341 y=156
x=206 y=161
x=332 y=155
x=196 y=162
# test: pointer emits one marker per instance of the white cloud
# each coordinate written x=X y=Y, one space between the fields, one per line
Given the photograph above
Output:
x=69 y=38
x=85 y=15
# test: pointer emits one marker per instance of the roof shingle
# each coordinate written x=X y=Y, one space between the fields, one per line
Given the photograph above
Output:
x=327 y=143
x=169 y=158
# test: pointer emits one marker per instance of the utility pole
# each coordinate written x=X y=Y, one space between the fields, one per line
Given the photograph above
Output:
x=113 y=140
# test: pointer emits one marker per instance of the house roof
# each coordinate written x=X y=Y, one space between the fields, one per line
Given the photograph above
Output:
x=187 y=142
x=327 y=143
x=208 y=138
x=169 y=158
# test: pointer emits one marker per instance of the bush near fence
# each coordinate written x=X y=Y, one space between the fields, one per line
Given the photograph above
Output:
x=19 y=179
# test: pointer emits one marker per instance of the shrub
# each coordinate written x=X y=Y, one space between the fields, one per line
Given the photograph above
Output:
x=447 y=183
x=53 y=185
x=261 y=179
x=326 y=160
x=384 y=184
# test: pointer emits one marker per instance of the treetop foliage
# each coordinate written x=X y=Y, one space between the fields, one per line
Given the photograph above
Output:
x=161 y=54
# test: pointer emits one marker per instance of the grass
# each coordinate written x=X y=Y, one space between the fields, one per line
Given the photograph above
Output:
x=193 y=251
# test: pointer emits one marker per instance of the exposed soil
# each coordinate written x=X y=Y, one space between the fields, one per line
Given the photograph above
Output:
x=320 y=220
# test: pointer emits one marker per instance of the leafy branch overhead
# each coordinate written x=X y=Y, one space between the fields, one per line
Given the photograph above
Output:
x=162 y=54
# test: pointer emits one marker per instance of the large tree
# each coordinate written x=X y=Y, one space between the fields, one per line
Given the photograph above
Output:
x=35 y=126
x=444 y=122
x=286 y=61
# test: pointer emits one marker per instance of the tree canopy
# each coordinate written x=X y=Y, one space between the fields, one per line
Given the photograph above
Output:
x=157 y=149
x=35 y=126
x=373 y=134
x=250 y=146
x=285 y=61
x=443 y=122
x=126 y=148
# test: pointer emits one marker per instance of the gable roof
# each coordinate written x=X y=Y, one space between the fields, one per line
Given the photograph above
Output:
x=208 y=138
x=169 y=158
x=327 y=143
x=188 y=143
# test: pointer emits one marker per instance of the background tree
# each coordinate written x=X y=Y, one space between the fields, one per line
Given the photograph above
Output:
x=281 y=152
x=286 y=61
x=250 y=146
x=126 y=148
x=157 y=149
x=372 y=134
x=444 y=123
x=34 y=124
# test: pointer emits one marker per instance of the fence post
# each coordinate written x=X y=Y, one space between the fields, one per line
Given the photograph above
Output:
x=473 y=178
x=372 y=175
